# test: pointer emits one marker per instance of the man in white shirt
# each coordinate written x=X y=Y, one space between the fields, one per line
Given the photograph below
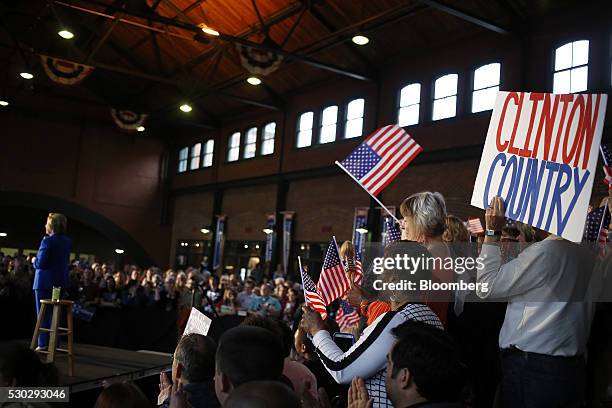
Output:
x=547 y=323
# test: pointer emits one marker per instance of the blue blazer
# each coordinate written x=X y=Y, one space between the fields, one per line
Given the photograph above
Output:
x=52 y=262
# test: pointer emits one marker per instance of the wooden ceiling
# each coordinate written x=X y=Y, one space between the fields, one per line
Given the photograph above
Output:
x=150 y=55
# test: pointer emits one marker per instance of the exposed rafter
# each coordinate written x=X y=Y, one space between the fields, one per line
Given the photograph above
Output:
x=198 y=36
x=464 y=15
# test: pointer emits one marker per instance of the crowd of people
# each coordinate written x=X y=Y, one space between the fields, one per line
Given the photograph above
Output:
x=411 y=347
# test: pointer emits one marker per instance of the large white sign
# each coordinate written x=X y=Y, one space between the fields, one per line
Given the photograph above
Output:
x=540 y=157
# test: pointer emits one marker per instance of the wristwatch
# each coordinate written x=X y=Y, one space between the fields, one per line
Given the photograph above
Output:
x=492 y=233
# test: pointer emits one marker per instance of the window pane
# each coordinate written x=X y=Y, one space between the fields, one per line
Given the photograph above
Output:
x=330 y=116
x=444 y=108
x=580 y=54
x=561 y=82
x=232 y=154
x=354 y=128
x=563 y=57
x=408 y=115
x=484 y=99
x=251 y=136
x=304 y=138
x=249 y=151
x=267 y=147
x=354 y=109
x=208 y=160
x=446 y=86
x=235 y=140
x=486 y=76
x=210 y=145
x=410 y=94
x=306 y=121
x=183 y=153
x=196 y=150
x=328 y=134
x=182 y=167
x=269 y=131
x=579 y=79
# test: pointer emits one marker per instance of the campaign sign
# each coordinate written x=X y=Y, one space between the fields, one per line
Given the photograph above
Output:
x=540 y=157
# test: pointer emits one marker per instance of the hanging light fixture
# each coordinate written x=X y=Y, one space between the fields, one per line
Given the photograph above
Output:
x=254 y=80
x=4 y=102
x=360 y=39
x=186 y=108
x=26 y=75
x=66 y=34
x=207 y=30
x=140 y=128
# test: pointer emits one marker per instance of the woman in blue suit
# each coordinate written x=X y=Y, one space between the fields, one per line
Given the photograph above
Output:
x=51 y=266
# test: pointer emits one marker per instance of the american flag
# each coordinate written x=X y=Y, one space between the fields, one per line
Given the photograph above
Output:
x=393 y=232
x=474 y=226
x=313 y=299
x=596 y=227
x=358 y=270
x=606 y=153
x=381 y=157
x=333 y=282
x=346 y=316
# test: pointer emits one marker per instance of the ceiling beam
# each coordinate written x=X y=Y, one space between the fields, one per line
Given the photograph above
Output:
x=200 y=37
x=466 y=16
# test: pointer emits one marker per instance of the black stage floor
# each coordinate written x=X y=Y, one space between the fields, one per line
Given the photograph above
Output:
x=94 y=365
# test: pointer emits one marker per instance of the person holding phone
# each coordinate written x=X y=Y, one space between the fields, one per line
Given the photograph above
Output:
x=51 y=267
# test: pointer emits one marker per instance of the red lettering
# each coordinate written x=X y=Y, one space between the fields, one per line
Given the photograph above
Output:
x=586 y=131
x=565 y=100
x=578 y=104
x=502 y=146
x=517 y=118
x=547 y=123
x=535 y=98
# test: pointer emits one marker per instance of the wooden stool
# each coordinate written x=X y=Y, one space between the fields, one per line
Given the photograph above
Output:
x=55 y=330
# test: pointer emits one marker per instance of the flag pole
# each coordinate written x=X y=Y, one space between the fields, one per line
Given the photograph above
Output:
x=371 y=195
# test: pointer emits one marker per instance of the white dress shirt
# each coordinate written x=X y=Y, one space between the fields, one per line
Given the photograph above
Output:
x=543 y=286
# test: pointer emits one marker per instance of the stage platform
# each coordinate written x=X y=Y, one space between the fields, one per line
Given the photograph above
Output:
x=95 y=365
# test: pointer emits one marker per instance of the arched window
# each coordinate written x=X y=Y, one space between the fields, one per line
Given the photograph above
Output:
x=486 y=86
x=445 y=97
x=409 y=104
x=571 y=67
x=304 y=134
x=267 y=142
x=233 y=147
x=354 y=118
x=208 y=153
x=329 y=121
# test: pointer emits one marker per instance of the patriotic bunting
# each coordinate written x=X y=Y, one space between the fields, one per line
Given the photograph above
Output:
x=65 y=72
x=259 y=62
x=128 y=120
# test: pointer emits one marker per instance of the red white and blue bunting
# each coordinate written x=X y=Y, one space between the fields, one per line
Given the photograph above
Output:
x=259 y=62
x=128 y=120
x=65 y=72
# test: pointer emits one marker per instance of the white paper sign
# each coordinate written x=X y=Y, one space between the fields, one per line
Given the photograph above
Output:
x=540 y=156
x=198 y=323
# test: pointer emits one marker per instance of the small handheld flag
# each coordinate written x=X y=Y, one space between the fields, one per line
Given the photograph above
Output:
x=393 y=232
x=474 y=226
x=346 y=316
x=312 y=297
x=606 y=153
x=333 y=282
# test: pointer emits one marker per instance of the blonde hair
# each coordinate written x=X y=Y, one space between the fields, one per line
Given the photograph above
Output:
x=347 y=250
x=428 y=212
x=455 y=230
x=56 y=223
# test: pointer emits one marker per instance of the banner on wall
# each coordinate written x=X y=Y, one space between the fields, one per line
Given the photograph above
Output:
x=270 y=235
x=386 y=221
x=219 y=242
x=360 y=222
x=540 y=156
x=288 y=217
